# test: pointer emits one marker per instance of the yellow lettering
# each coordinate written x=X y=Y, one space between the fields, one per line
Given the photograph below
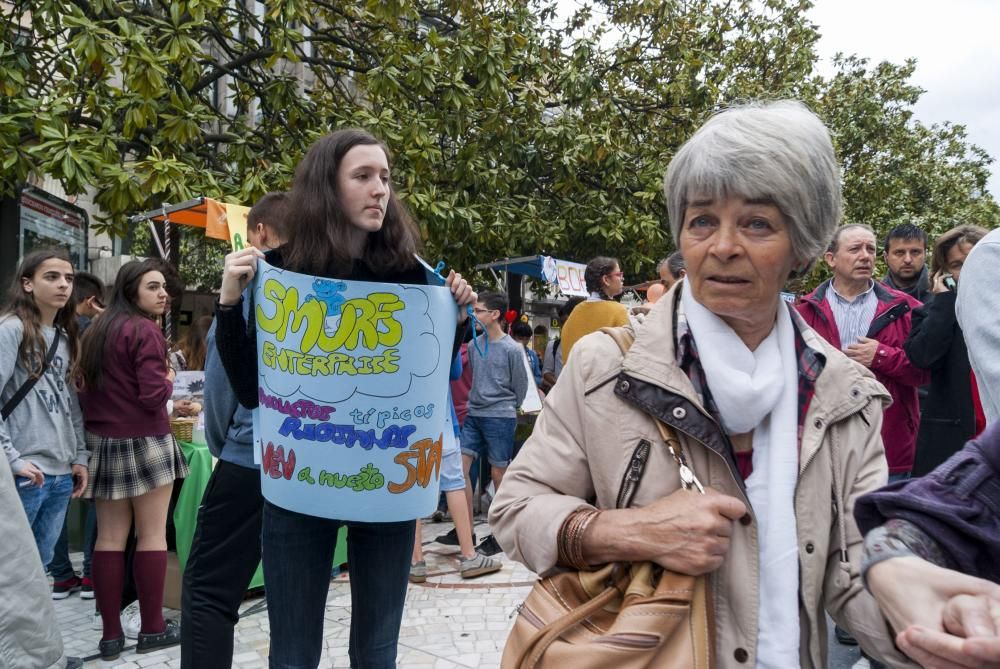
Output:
x=269 y=353
x=369 y=322
x=386 y=305
x=275 y=293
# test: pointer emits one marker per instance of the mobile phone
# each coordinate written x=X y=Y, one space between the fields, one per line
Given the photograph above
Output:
x=24 y=483
x=949 y=283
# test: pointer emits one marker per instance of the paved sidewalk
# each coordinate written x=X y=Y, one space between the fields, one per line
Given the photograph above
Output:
x=448 y=621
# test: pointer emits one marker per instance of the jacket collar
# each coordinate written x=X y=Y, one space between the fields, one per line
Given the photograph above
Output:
x=883 y=293
x=650 y=367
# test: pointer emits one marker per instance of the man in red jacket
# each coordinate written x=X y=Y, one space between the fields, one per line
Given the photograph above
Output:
x=869 y=322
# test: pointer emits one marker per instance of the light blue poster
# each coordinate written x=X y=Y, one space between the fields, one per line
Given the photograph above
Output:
x=353 y=389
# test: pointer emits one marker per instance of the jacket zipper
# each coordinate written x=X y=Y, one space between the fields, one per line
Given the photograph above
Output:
x=636 y=466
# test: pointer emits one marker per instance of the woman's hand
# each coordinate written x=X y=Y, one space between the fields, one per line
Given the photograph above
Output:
x=685 y=531
x=80 y=475
x=934 y=609
x=31 y=471
x=937 y=283
x=184 y=408
x=237 y=273
x=971 y=637
x=461 y=291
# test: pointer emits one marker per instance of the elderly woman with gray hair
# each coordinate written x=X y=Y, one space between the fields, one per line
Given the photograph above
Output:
x=780 y=428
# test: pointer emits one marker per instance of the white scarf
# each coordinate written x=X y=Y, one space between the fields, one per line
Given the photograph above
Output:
x=758 y=390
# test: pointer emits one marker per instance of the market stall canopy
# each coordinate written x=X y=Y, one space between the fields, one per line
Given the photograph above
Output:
x=563 y=273
x=219 y=220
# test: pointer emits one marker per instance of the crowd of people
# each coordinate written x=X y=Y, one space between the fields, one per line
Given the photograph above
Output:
x=847 y=444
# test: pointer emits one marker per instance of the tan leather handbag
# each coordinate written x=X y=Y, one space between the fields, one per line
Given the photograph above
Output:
x=622 y=616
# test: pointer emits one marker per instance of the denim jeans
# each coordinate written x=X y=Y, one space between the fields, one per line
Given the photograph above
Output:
x=491 y=436
x=45 y=507
x=61 y=567
x=298 y=553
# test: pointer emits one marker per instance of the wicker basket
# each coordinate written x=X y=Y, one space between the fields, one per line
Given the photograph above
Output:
x=183 y=428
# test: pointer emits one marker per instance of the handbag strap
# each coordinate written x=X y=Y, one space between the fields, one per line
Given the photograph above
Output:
x=546 y=636
x=30 y=382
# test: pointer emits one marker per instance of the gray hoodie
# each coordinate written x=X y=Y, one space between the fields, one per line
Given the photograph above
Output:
x=46 y=428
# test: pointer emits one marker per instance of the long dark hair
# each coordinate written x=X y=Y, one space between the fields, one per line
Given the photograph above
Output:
x=21 y=304
x=319 y=233
x=122 y=309
x=193 y=344
x=962 y=234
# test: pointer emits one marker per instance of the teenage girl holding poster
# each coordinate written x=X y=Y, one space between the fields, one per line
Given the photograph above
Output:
x=345 y=222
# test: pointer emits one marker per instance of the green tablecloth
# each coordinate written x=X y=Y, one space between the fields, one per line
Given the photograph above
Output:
x=200 y=462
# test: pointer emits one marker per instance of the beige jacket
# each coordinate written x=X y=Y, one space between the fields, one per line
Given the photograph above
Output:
x=599 y=412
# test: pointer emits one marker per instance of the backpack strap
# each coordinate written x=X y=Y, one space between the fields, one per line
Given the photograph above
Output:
x=26 y=387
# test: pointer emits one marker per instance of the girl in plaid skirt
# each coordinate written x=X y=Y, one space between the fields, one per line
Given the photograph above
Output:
x=125 y=387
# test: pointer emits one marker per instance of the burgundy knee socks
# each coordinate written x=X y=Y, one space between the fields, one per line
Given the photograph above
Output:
x=107 y=568
x=150 y=570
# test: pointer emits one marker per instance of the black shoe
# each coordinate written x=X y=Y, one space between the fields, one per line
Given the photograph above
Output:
x=450 y=538
x=489 y=546
x=112 y=648
x=170 y=636
x=74 y=663
x=844 y=637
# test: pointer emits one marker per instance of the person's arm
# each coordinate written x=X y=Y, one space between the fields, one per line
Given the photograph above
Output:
x=149 y=360
x=237 y=351
x=845 y=597
x=549 y=363
x=942 y=617
x=932 y=332
x=220 y=401
x=545 y=488
x=82 y=454
x=893 y=363
x=977 y=308
x=10 y=340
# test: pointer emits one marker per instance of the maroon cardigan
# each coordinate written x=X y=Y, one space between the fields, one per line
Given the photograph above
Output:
x=132 y=400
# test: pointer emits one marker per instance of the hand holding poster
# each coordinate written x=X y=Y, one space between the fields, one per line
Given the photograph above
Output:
x=353 y=389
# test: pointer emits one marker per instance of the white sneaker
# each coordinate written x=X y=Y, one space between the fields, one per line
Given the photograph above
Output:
x=131 y=621
x=97 y=623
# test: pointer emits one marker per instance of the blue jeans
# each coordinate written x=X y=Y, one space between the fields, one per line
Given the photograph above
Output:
x=45 y=507
x=494 y=436
x=298 y=552
x=61 y=567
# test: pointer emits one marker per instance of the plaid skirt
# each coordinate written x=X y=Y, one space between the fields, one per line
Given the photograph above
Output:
x=129 y=467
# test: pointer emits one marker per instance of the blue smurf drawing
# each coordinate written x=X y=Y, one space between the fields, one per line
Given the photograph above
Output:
x=328 y=291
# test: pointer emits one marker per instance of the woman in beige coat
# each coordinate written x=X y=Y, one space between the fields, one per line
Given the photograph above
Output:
x=780 y=428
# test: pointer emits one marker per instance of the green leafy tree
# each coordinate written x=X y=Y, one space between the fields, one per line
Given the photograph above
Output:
x=513 y=132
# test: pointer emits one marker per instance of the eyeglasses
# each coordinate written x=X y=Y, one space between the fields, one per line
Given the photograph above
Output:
x=482 y=311
x=620 y=275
